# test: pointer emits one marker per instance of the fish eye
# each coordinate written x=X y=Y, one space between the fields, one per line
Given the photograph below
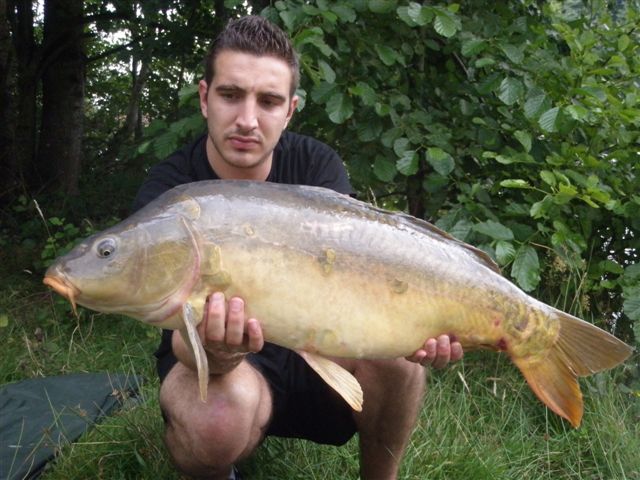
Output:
x=106 y=248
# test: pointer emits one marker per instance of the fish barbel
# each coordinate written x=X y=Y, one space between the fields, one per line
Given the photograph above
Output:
x=327 y=275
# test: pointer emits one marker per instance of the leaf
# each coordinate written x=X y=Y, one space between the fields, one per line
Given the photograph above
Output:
x=513 y=53
x=365 y=92
x=327 y=72
x=344 y=12
x=461 y=229
x=631 y=303
x=382 y=109
x=384 y=169
x=408 y=164
x=368 y=131
x=389 y=137
x=4 y=320
x=547 y=120
x=405 y=16
x=526 y=268
x=143 y=147
x=388 y=55
x=415 y=14
x=400 y=145
x=484 y=62
x=548 y=177
x=577 y=112
x=623 y=42
x=494 y=230
x=444 y=25
x=382 y=6
x=610 y=266
x=473 y=47
x=440 y=160
x=515 y=183
x=166 y=144
x=632 y=273
x=288 y=17
x=187 y=93
x=504 y=160
x=510 y=90
x=565 y=194
x=315 y=37
x=593 y=92
x=339 y=107
x=534 y=104
x=322 y=92
x=505 y=252
x=524 y=138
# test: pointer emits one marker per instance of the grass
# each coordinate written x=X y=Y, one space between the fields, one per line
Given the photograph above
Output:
x=479 y=421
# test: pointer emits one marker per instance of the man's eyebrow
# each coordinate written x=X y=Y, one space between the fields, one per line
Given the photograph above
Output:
x=228 y=88
x=274 y=95
x=231 y=87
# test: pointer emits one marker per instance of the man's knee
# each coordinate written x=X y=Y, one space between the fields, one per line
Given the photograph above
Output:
x=201 y=448
x=206 y=437
x=396 y=373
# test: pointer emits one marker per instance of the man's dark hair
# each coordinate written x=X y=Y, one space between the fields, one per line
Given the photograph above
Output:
x=257 y=36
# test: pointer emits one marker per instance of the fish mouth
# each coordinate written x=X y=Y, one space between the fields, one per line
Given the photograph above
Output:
x=62 y=286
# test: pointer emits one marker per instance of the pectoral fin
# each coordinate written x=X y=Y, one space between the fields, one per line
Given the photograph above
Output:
x=337 y=377
x=191 y=338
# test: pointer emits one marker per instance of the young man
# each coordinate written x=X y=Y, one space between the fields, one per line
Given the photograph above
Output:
x=256 y=388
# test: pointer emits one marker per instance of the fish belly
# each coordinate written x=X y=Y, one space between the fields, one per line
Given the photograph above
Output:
x=340 y=307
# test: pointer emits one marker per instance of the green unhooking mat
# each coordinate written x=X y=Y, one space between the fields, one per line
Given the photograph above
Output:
x=40 y=416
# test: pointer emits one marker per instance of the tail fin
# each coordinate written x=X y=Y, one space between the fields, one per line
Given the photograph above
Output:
x=581 y=349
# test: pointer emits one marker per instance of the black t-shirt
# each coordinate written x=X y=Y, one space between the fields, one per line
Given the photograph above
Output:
x=297 y=159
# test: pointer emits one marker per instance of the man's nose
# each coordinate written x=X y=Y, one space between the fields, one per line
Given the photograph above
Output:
x=248 y=115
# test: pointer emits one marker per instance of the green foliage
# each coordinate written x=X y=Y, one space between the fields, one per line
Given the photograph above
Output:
x=519 y=115
x=162 y=139
x=60 y=241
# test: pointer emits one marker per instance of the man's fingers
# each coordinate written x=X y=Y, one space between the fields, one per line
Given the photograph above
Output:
x=235 y=322
x=443 y=352
x=254 y=332
x=215 y=318
x=430 y=347
x=437 y=352
x=456 y=351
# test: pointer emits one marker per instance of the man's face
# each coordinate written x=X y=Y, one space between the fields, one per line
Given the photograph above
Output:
x=247 y=106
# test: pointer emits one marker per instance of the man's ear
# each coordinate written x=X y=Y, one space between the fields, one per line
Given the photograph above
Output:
x=292 y=109
x=203 y=92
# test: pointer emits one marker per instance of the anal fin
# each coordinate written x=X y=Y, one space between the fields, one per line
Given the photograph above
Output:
x=337 y=378
x=191 y=338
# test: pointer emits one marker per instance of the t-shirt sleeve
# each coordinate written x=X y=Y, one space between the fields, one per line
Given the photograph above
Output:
x=332 y=174
x=326 y=168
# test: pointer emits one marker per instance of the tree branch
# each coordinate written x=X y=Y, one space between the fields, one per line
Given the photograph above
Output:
x=116 y=49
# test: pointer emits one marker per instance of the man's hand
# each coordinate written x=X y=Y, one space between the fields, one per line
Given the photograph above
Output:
x=225 y=329
x=437 y=352
x=226 y=334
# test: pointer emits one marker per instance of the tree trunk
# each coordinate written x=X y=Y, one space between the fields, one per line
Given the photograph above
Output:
x=7 y=156
x=132 y=125
x=415 y=194
x=63 y=88
x=24 y=119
